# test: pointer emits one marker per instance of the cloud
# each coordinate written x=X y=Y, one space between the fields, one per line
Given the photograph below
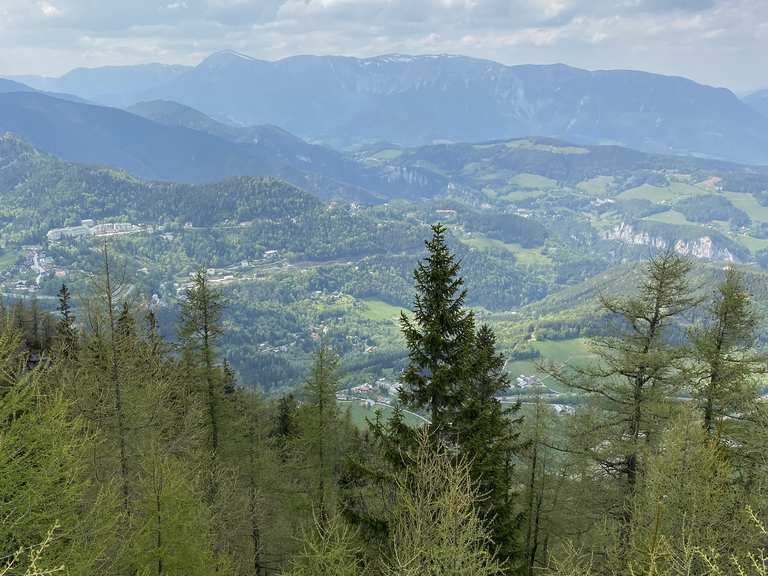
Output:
x=715 y=41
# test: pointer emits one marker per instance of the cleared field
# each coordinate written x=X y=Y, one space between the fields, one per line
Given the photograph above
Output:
x=752 y=244
x=528 y=256
x=749 y=204
x=532 y=181
x=569 y=352
x=528 y=145
x=668 y=217
x=388 y=154
x=675 y=191
x=597 y=186
x=359 y=413
x=378 y=310
x=8 y=259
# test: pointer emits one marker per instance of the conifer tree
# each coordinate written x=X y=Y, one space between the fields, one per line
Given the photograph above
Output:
x=319 y=428
x=638 y=370
x=66 y=333
x=200 y=328
x=488 y=438
x=329 y=550
x=723 y=347
x=435 y=527
x=438 y=337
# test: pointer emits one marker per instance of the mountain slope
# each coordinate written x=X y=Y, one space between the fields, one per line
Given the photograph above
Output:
x=107 y=84
x=100 y=135
x=13 y=86
x=272 y=139
x=418 y=100
x=759 y=101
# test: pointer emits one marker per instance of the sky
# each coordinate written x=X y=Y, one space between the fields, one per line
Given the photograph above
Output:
x=718 y=42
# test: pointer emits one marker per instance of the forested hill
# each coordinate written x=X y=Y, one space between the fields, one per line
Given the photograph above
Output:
x=91 y=134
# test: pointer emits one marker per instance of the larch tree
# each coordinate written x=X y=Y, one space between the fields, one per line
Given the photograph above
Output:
x=723 y=349
x=320 y=428
x=200 y=327
x=637 y=371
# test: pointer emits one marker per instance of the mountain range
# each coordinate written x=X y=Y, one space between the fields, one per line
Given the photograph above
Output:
x=427 y=99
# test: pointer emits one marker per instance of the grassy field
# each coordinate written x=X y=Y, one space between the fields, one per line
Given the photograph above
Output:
x=750 y=243
x=359 y=413
x=675 y=191
x=533 y=181
x=528 y=145
x=668 y=217
x=387 y=154
x=378 y=310
x=527 y=256
x=558 y=351
x=749 y=204
x=8 y=259
x=597 y=186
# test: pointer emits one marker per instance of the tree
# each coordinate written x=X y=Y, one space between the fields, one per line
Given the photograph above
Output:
x=438 y=337
x=638 y=370
x=320 y=437
x=199 y=328
x=723 y=347
x=329 y=550
x=435 y=527
x=488 y=438
x=43 y=483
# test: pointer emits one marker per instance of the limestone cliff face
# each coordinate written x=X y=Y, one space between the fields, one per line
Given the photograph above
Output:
x=703 y=247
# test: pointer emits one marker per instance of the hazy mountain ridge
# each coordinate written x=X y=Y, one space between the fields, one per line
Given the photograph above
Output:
x=106 y=84
x=417 y=100
x=92 y=134
x=759 y=101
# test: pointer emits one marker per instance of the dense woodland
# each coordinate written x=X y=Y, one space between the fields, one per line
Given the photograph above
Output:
x=124 y=452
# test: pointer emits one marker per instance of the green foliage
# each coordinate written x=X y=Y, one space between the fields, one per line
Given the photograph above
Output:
x=438 y=338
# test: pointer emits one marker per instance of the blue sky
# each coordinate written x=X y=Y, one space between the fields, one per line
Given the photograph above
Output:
x=720 y=42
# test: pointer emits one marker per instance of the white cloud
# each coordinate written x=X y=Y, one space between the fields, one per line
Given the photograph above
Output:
x=49 y=10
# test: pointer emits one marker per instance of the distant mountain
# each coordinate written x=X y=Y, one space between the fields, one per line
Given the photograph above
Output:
x=7 y=86
x=421 y=100
x=107 y=84
x=13 y=86
x=109 y=136
x=759 y=101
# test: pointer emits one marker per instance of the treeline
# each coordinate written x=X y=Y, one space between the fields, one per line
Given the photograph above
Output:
x=124 y=453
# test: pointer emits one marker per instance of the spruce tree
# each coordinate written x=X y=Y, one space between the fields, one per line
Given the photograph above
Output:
x=66 y=333
x=438 y=338
x=488 y=438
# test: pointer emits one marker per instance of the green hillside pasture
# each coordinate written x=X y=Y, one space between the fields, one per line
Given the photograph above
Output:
x=597 y=186
x=668 y=217
x=532 y=181
x=379 y=311
x=8 y=259
x=570 y=352
x=525 y=256
x=749 y=204
x=359 y=413
x=659 y=194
